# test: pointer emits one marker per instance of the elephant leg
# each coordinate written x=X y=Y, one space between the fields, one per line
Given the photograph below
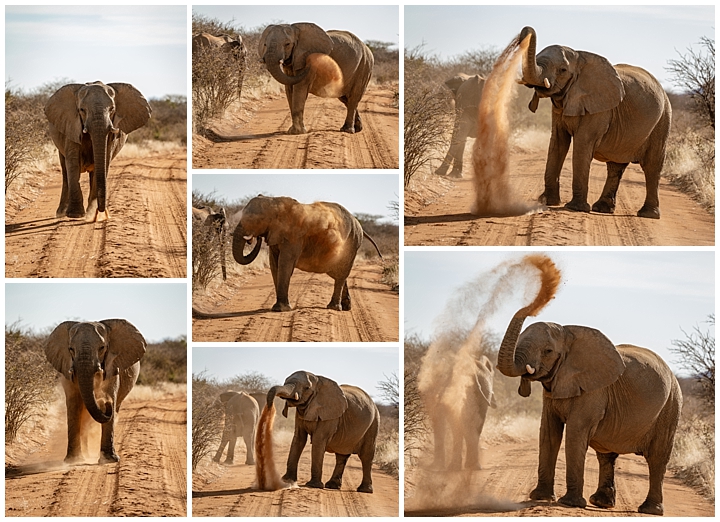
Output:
x=296 y=449
x=557 y=151
x=299 y=94
x=249 y=439
x=604 y=497
x=652 y=165
x=107 y=442
x=551 y=432
x=282 y=267
x=583 y=151
x=221 y=448
x=606 y=203
x=576 y=446
x=353 y=122
x=230 y=458
x=457 y=147
x=64 y=195
x=335 y=481
x=75 y=207
x=472 y=441
x=74 y=406
x=345 y=300
x=658 y=455
x=317 y=456
x=367 y=454
x=334 y=303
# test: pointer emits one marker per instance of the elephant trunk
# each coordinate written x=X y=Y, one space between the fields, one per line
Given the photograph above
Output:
x=86 y=371
x=531 y=71
x=100 y=135
x=239 y=245
x=507 y=363
x=287 y=391
x=272 y=61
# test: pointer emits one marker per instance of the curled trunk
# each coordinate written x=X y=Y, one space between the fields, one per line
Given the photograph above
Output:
x=286 y=391
x=531 y=71
x=239 y=245
x=507 y=362
x=272 y=62
x=85 y=375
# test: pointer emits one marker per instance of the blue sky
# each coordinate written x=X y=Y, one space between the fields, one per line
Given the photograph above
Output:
x=647 y=36
x=142 y=45
x=641 y=298
x=360 y=366
x=159 y=310
x=359 y=193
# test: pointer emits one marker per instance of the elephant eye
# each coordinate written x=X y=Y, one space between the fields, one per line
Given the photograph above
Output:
x=547 y=351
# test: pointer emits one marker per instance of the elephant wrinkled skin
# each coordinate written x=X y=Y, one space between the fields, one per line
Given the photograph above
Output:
x=339 y=419
x=320 y=237
x=306 y=59
x=616 y=400
x=89 y=125
x=615 y=114
x=241 y=417
x=99 y=363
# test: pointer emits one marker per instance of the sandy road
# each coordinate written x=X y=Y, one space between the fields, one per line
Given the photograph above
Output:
x=146 y=235
x=262 y=143
x=509 y=473
x=446 y=219
x=230 y=493
x=149 y=480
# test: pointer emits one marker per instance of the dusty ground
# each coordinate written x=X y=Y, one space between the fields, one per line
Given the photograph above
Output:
x=438 y=213
x=222 y=491
x=509 y=473
x=373 y=318
x=149 y=480
x=262 y=142
x=146 y=235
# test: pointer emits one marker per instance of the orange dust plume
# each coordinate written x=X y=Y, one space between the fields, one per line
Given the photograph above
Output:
x=268 y=478
x=549 y=281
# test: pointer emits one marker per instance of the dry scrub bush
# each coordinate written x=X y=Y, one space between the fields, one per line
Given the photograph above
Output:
x=217 y=80
x=25 y=132
x=696 y=354
x=167 y=124
x=205 y=256
x=416 y=424
x=387 y=62
x=165 y=361
x=207 y=419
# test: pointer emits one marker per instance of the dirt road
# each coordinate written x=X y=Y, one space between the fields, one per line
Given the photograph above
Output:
x=226 y=491
x=262 y=143
x=510 y=472
x=146 y=235
x=149 y=480
x=373 y=318
x=445 y=219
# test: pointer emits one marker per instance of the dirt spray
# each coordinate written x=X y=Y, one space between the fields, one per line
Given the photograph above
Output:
x=267 y=476
x=494 y=196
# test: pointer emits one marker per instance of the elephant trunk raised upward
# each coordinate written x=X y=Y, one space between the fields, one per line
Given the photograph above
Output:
x=238 y=246
x=87 y=371
x=531 y=71
x=286 y=391
x=509 y=363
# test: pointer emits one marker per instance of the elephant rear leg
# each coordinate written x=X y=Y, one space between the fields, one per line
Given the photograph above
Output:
x=367 y=454
x=220 y=450
x=249 y=439
x=606 y=203
x=335 y=481
x=652 y=165
x=353 y=122
x=604 y=497
x=230 y=458
x=340 y=299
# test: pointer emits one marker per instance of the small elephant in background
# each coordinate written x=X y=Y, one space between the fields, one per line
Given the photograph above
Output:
x=342 y=420
x=232 y=46
x=308 y=60
x=89 y=124
x=216 y=223
x=99 y=363
x=241 y=419
x=467 y=91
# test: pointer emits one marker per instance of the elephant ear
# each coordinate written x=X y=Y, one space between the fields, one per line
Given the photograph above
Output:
x=592 y=362
x=483 y=379
x=56 y=348
x=126 y=346
x=310 y=39
x=597 y=87
x=328 y=403
x=61 y=111
x=132 y=110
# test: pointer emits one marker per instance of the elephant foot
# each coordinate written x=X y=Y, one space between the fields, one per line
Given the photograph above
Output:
x=346 y=304
x=107 y=458
x=75 y=214
x=649 y=212
x=455 y=466
x=334 y=306
x=315 y=484
x=333 y=484
x=542 y=494
x=604 y=206
x=73 y=459
x=572 y=500
x=229 y=462
x=651 y=508
x=549 y=198
x=578 y=206
x=365 y=487
x=281 y=307
x=289 y=479
x=457 y=174
x=358 y=126
x=474 y=466
x=350 y=129
x=216 y=458
x=297 y=130
x=603 y=498
x=442 y=170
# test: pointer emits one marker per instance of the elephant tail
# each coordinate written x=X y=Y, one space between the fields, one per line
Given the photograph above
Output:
x=374 y=244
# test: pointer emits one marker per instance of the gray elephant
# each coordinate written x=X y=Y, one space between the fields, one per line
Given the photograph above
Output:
x=339 y=419
x=216 y=223
x=320 y=237
x=89 y=124
x=241 y=419
x=618 y=115
x=99 y=364
x=306 y=59
x=471 y=420
x=616 y=400
x=232 y=46
x=467 y=91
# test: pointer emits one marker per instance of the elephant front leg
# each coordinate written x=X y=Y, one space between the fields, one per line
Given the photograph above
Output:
x=74 y=406
x=583 y=151
x=606 y=203
x=249 y=439
x=221 y=448
x=604 y=497
x=298 y=97
x=230 y=459
x=282 y=265
x=317 y=455
x=576 y=446
x=296 y=449
x=107 y=442
x=551 y=432
x=75 y=206
x=557 y=151
x=65 y=193
x=457 y=147
x=335 y=481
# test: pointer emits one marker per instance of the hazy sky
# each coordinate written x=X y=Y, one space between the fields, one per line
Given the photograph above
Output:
x=367 y=22
x=641 y=298
x=159 y=310
x=142 y=45
x=361 y=366
x=359 y=193
x=647 y=36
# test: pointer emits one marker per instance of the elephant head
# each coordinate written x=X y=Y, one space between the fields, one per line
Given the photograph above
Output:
x=260 y=218
x=100 y=111
x=578 y=81
x=88 y=353
x=567 y=360
x=315 y=397
x=290 y=45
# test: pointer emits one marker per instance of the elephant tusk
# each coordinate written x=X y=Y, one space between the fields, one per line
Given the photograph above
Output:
x=530 y=369
x=547 y=83
x=248 y=238
x=114 y=130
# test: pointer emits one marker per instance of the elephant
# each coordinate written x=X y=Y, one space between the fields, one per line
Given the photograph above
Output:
x=470 y=422
x=616 y=399
x=241 y=418
x=467 y=91
x=215 y=222
x=320 y=237
x=89 y=124
x=339 y=419
x=233 y=46
x=615 y=114
x=306 y=59
x=99 y=363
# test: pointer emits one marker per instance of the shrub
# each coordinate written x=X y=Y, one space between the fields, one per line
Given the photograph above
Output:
x=165 y=361
x=168 y=121
x=207 y=422
x=25 y=132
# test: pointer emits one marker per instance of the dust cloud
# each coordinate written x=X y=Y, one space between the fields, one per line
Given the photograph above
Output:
x=447 y=372
x=494 y=196
x=267 y=476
